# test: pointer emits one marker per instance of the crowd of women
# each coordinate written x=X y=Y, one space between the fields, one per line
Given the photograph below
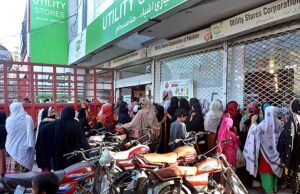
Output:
x=269 y=145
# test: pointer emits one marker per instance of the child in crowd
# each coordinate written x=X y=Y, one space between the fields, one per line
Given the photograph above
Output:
x=178 y=128
x=45 y=183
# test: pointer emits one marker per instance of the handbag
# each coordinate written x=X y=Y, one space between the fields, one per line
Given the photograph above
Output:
x=240 y=159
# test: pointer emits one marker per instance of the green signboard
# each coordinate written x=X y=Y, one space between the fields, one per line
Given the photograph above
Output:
x=49 y=31
x=123 y=16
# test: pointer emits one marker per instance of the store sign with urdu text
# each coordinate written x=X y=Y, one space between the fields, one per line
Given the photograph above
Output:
x=266 y=14
x=49 y=31
x=180 y=43
x=122 y=17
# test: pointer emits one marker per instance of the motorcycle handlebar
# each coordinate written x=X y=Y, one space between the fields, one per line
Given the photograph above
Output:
x=193 y=139
x=83 y=152
x=218 y=145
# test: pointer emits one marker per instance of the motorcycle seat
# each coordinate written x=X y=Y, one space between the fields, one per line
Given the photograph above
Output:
x=175 y=171
x=120 y=155
x=169 y=158
x=124 y=155
x=22 y=179
x=183 y=150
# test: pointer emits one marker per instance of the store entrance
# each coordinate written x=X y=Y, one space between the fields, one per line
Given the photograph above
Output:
x=136 y=92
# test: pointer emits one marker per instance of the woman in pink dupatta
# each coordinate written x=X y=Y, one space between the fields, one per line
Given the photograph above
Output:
x=230 y=148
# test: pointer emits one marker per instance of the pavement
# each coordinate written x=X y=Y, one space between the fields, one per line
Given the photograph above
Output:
x=260 y=191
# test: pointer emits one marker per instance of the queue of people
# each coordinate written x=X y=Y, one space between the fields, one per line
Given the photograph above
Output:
x=269 y=146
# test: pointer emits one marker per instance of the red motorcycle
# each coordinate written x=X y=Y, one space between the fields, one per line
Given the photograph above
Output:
x=75 y=177
x=78 y=177
x=126 y=176
x=196 y=179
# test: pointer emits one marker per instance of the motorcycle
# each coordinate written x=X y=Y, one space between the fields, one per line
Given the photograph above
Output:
x=110 y=170
x=196 y=179
x=127 y=176
x=72 y=178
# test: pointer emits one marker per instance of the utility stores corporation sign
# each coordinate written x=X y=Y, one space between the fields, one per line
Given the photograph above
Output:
x=266 y=14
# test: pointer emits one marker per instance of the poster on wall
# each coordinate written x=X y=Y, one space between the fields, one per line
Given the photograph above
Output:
x=127 y=98
x=179 y=88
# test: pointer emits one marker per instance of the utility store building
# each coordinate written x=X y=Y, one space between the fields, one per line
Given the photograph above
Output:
x=228 y=50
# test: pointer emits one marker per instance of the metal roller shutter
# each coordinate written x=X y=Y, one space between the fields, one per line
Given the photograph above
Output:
x=265 y=67
x=205 y=68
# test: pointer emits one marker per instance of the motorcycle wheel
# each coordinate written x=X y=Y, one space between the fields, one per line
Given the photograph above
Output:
x=235 y=183
x=171 y=189
x=142 y=186
x=102 y=185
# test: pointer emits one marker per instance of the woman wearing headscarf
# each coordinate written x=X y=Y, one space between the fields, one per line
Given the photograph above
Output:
x=166 y=100
x=289 y=146
x=204 y=105
x=47 y=116
x=230 y=148
x=252 y=109
x=123 y=117
x=212 y=121
x=20 y=140
x=264 y=150
x=83 y=120
x=90 y=114
x=195 y=121
x=173 y=107
x=145 y=119
x=160 y=115
x=184 y=104
x=263 y=108
x=68 y=136
x=106 y=116
x=170 y=116
x=3 y=134
x=233 y=110
x=245 y=124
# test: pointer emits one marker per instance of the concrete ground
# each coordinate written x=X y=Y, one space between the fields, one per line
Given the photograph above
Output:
x=260 y=191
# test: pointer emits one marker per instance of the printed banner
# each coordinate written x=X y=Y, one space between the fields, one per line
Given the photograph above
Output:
x=179 y=88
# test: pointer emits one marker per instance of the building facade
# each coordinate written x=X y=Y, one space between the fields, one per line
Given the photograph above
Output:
x=229 y=50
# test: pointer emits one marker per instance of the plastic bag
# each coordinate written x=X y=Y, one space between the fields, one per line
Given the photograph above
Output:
x=105 y=158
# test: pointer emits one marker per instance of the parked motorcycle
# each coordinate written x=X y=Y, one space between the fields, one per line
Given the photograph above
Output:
x=77 y=177
x=126 y=176
x=196 y=179
x=110 y=170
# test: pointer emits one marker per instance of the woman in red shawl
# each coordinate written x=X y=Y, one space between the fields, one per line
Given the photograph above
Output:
x=106 y=116
x=233 y=110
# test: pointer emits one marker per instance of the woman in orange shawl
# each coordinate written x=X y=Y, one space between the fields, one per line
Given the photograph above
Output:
x=106 y=116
